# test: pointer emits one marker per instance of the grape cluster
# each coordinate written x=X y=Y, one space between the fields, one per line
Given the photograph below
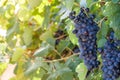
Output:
x=111 y=58
x=86 y=30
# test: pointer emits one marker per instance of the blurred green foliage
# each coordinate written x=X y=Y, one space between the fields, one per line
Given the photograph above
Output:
x=30 y=26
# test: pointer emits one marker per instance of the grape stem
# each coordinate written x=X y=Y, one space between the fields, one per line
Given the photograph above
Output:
x=61 y=37
x=100 y=22
x=96 y=3
x=57 y=52
x=62 y=59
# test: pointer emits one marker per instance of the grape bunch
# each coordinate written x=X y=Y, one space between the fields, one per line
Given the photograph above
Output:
x=111 y=58
x=86 y=30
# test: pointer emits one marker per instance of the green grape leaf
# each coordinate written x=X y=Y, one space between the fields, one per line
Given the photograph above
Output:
x=61 y=74
x=62 y=10
x=10 y=42
x=117 y=33
x=45 y=76
x=24 y=14
x=35 y=65
x=89 y=2
x=112 y=12
x=48 y=37
x=65 y=15
x=46 y=16
x=13 y=29
x=64 y=76
x=115 y=1
x=73 y=62
x=101 y=42
x=3 y=67
x=2 y=46
x=69 y=4
x=34 y=3
x=82 y=71
x=17 y=54
x=104 y=29
x=42 y=51
x=72 y=36
x=118 y=79
x=27 y=36
x=62 y=45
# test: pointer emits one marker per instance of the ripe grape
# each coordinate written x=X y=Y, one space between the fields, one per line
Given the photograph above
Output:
x=76 y=49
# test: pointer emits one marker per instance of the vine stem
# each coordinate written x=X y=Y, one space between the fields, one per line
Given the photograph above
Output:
x=100 y=22
x=96 y=2
x=61 y=37
x=57 y=52
x=57 y=60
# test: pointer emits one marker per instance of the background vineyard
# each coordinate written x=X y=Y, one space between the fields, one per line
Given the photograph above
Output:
x=28 y=41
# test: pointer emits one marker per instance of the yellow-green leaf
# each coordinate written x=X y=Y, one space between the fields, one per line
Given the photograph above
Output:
x=34 y=3
x=23 y=14
x=17 y=54
x=69 y=4
x=47 y=36
x=27 y=36
x=82 y=71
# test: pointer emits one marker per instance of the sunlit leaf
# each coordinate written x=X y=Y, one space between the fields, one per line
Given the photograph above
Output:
x=46 y=16
x=24 y=14
x=34 y=3
x=17 y=54
x=62 y=10
x=69 y=4
x=82 y=71
x=65 y=15
x=3 y=66
x=27 y=36
x=43 y=51
x=19 y=71
x=13 y=29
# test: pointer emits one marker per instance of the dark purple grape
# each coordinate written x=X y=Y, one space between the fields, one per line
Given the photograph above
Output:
x=100 y=50
x=111 y=37
x=76 y=49
x=57 y=41
x=72 y=15
x=75 y=31
x=87 y=10
x=92 y=16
